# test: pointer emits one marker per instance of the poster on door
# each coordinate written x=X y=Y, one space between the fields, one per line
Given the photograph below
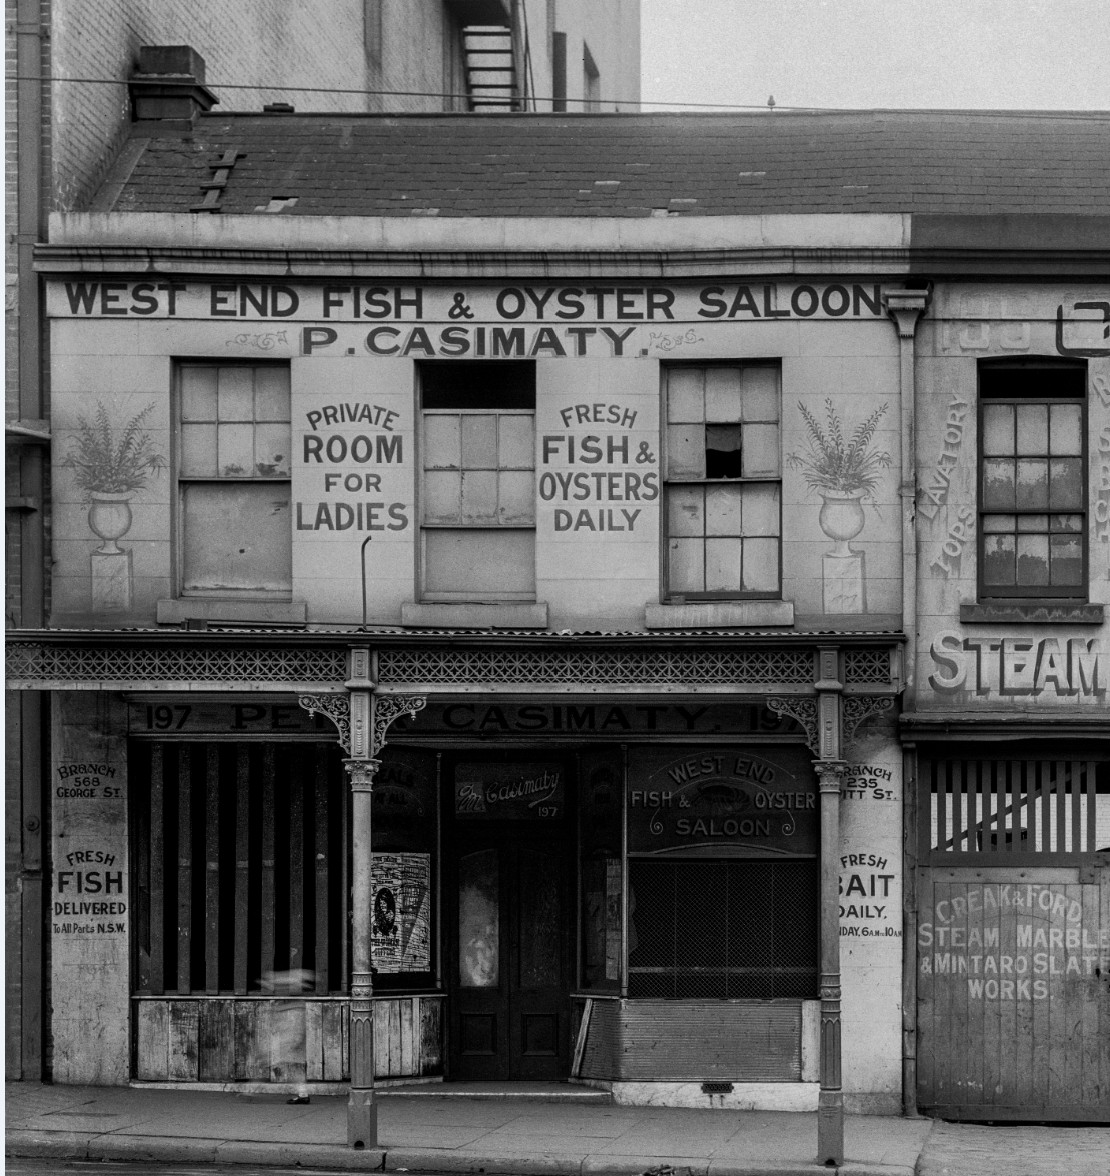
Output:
x=400 y=928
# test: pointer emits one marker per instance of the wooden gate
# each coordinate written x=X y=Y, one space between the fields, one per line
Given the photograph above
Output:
x=1013 y=946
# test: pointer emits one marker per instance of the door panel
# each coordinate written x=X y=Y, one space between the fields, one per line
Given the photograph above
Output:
x=509 y=976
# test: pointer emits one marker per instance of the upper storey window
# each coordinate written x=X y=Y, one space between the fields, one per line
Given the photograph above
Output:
x=478 y=513
x=233 y=487
x=723 y=481
x=1032 y=481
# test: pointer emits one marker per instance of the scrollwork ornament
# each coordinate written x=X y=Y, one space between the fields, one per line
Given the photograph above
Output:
x=387 y=708
x=858 y=708
x=334 y=707
x=802 y=711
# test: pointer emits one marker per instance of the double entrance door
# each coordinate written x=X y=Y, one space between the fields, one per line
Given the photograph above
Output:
x=510 y=924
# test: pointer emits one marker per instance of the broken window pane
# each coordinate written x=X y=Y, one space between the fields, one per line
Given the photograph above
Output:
x=723 y=426
x=723 y=457
x=490 y=440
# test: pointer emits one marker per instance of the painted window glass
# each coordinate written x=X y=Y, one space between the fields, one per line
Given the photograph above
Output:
x=478 y=534
x=479 y=920
x=1032 y=484
x=233 y=462
x=723 y=475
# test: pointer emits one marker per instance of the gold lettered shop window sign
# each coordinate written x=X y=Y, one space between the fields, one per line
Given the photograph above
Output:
x=722 y=801
x=516 y=792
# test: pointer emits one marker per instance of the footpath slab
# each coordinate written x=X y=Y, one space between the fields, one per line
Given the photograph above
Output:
x=526 y=1137
x=967 y=1149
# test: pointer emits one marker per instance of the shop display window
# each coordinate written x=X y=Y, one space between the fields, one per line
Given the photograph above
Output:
x=403 y=842
x=723 y=481
x=233 y=479
x=478 y=517
x=239 y=868
x=723 y=929
x=1032 y=481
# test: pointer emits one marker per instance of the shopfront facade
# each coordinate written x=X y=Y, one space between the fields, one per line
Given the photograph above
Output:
x=622 y=889
x=593 y=857
x=1008 y=737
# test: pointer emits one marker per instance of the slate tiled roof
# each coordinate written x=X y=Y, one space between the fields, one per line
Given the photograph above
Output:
x=628 y=165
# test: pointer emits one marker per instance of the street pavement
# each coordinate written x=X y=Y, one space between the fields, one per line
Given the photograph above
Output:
x=545 y=1135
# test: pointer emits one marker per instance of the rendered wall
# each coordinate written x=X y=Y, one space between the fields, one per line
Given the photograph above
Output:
x=89 y=919
x=598 y=375
x=1042 y=662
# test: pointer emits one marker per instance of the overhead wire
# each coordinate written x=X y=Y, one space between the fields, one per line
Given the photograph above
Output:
x=286 y=89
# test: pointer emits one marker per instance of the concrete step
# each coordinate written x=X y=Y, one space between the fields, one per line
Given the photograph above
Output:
x=549 y=1092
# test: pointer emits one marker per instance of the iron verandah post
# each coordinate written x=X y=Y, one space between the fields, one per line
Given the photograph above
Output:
x=362 y=718
x=830 y=769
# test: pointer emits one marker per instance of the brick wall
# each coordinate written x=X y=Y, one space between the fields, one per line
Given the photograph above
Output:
x=249 y=43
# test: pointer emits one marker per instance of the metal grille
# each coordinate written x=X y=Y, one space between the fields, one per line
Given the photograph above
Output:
x=717 y=929
x=1018 y=806
x=469 y=667
x=239 y=868
x=107 y=666
x=870 y=667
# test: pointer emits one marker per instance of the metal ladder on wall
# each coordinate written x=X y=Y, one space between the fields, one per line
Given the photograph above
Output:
x=491 y=76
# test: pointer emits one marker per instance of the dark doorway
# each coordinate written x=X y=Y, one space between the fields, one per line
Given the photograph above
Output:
x=510 y=922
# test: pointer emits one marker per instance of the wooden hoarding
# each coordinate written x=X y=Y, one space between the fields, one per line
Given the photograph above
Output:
x=1014 y=994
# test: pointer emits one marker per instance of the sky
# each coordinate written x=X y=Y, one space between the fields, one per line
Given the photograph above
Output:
x=906 y=54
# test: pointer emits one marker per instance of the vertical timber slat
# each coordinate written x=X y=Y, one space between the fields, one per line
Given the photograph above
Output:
x=314 y=1040
x=212 y=870
x=157 y=982
x=184 y=871
x=266 y=964
x=184 y=1027
x=296 y=862
x=152 y=1045
x=242 y=867
x=1030 y=771
x=1089 y=790
x=1075 y=844
x=321 y=871
x=1061 y=810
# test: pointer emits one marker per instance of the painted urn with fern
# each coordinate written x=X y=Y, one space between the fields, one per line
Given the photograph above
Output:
x=844 y=471
x=110 y=466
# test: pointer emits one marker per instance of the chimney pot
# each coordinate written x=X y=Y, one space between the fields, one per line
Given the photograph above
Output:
x=168 y=87
x=171 y=59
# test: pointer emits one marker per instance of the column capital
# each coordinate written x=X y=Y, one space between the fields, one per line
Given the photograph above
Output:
x=361 y=773
x=829 y=774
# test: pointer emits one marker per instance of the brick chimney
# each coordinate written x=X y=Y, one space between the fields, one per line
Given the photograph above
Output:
x=168 y=87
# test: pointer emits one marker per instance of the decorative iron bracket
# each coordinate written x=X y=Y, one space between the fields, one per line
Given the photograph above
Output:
x=802 y=710
x=856 y=709
x=336 y=708
x=387 y=708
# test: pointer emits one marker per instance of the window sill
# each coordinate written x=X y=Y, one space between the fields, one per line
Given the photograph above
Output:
x=724 y=614
x=1039 y=612
x=262 y=612
x=499 y=615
